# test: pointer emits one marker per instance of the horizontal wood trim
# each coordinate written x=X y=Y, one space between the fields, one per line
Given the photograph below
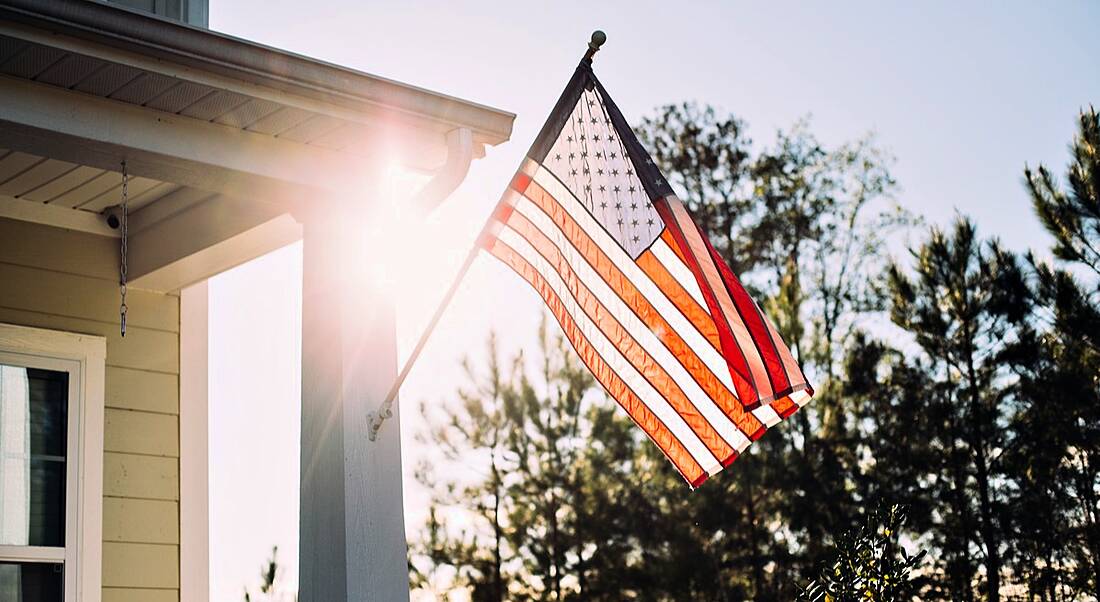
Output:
x=46 y=247
x=147 y=477
x=27 y=209
x=140 y=565
x=140 y=521
x=118 y=594
x=9 y=553
x=142 y=390
x=136 y=432
x=75 y=296
x=142 y=348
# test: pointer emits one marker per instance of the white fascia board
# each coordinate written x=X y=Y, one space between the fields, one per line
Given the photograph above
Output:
x=417 y=119
x=88 y=130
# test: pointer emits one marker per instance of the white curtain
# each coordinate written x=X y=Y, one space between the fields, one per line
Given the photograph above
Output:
x=15 y=456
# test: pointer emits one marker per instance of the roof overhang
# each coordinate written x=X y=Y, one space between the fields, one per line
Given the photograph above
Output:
x=225 y=136
x=256 y=70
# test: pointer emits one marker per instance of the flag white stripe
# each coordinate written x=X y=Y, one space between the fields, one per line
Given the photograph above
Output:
x=611 y=355
x=679 y=270
x=629 y=321
x=767 y=415
x=645 y=285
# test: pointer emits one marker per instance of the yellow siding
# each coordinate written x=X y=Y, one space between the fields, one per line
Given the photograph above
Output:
x=142 y=390
x=130 y=594
x=65 y=280
x=127 y=520
x=142 y=565
x=146 y=477
x=134 y=432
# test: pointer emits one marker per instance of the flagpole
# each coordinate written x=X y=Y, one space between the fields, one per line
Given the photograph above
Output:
x=385 y=410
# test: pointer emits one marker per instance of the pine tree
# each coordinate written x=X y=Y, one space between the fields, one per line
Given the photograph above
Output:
x=1072 y=216
x=1058 y=451
x=476 y=430
x=269 y=590
x=955 y=309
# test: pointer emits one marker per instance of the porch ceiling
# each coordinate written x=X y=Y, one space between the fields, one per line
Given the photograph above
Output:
x=38 y=179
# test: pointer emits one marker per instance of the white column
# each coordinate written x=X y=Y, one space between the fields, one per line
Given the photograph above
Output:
x=194 y=444
x=352 y=533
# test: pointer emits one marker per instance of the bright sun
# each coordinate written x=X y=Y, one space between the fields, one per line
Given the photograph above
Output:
x=415 y=254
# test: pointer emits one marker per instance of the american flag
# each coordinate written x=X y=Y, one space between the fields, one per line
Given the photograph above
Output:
x=639 y=291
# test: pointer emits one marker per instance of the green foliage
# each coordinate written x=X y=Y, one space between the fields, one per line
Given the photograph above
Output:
x=987 y=422
x=870 y=564
x=1072 y=216
x=1056 y=511
x=269 y=592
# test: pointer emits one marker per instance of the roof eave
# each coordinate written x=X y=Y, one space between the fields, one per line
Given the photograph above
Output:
x=257 y=64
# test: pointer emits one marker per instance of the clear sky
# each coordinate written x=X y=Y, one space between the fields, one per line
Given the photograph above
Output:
x=962 y=95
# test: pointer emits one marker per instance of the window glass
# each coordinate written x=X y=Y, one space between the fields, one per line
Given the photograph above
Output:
x=148 y=5
x=26 y=582
x=172 y=9
x=33 y=426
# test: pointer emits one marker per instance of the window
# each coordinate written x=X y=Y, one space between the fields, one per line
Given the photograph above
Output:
x=51 y=446
x=188 y=11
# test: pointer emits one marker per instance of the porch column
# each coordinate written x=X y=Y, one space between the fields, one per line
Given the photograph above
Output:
x=194 y=407
x=352 y=525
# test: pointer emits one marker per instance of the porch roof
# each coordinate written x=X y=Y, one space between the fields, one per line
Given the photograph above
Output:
x=261 y=89
x=224 y=137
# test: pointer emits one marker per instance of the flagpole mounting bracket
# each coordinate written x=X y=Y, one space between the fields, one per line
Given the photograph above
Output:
x=375 y=420
x=598 y=39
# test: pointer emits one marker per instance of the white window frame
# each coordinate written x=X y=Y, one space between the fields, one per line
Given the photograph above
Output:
x=84 y=358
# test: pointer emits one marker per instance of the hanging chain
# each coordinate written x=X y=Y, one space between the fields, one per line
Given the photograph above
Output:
x=122 y=309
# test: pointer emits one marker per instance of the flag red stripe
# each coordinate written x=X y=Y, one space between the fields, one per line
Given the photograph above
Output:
x=634 y=353
x=687 y=305
x=672 y=447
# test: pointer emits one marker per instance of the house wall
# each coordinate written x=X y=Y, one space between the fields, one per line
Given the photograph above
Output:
x=66 y=280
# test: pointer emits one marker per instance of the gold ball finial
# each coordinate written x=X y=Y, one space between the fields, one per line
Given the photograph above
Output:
x=598 y=38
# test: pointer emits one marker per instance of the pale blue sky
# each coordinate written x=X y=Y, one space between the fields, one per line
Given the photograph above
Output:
x=962 y=95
